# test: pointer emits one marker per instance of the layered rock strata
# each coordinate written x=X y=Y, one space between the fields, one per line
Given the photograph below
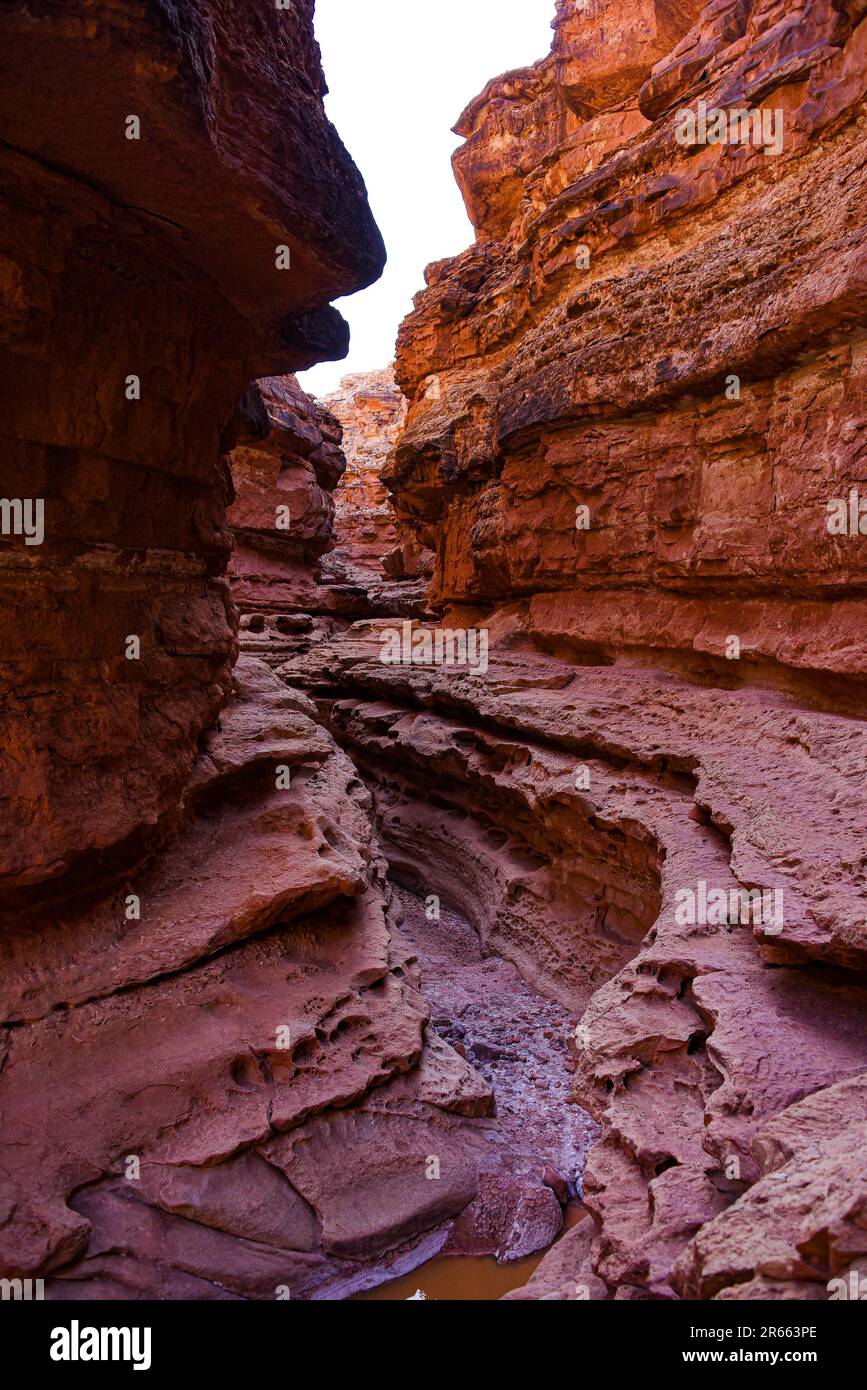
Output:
x=198 y=951
x=373 y=552
x=295 y=571
x=630 y=404
x=567 y=810
x=176 y=217
x=635 y=441
x=232 y=1166
x=286 y=461
x=663 y=344
x=372 y=411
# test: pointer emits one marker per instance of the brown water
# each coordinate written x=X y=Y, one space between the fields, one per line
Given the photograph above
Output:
x=464 y=1277
x=458 y=1277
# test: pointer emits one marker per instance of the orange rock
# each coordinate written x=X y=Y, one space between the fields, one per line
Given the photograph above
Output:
x=372 y=411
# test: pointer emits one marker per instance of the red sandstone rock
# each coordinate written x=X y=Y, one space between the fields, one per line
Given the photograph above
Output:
x=232 y=1022
x=800 y=1228
x=151 y=258
x=695 y=1041
x=577 y=358
x=538 y=387
x=210 y=961
x=371 y=410
x=285 y=463
x=564 y=1275
x=308 y=543
x=569 y=109
x=631 y=404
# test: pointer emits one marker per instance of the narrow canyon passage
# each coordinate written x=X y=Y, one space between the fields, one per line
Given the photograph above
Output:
x=514 y=1037
x=433 y=831
x=517 y=1041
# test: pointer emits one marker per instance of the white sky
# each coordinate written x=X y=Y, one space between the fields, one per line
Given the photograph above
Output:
x=400 y=73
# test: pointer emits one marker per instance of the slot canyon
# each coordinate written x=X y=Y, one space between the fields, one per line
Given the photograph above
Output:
x=383 y=775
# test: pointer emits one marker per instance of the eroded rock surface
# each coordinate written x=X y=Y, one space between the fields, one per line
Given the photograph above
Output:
x=584 y=356
x=198 y=946
x=566 y=809
x=636 y=406
x=372 y=411
x=232 y=1091
x=316 y=542
x=153 y=165
x=632 y=405
x=286 y=462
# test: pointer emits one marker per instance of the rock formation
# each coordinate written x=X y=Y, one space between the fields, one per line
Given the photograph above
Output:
x=373 y=553
x=178 y=214
x=217 y=1074
x=290 y=949
x=151 y=173
x=286 y=461
x=301 y=569
x=635 y=441
x=372 y=411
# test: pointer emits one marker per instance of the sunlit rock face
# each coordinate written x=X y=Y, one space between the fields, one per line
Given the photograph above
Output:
x=635 y=441
x=372 y=411
x=667 y=335
x=154 y=165
x=546 y=114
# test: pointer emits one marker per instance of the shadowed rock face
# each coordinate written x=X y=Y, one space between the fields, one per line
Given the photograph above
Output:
x=286 y=462
x=235 y=153
x=310 y=548
x=140 y=295
x=162 y=1010
x=373 y=551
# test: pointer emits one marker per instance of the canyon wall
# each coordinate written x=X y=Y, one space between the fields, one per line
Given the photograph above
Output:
x=664 y=342
x=286 y=461
x=636 y=441
x=630 y=404
x=156 y=177
x=316 y=544
x=373 y=550
x=372 y=412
